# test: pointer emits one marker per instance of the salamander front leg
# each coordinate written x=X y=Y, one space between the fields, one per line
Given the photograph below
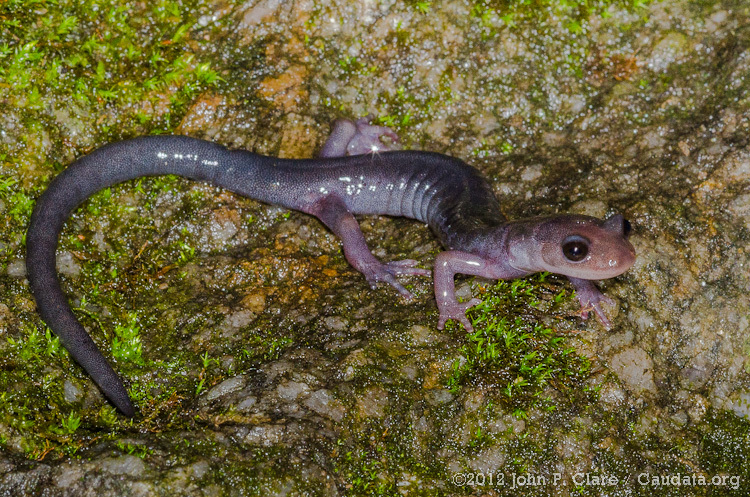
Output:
x=447 y=264
x=590 y=297
x=333 y=213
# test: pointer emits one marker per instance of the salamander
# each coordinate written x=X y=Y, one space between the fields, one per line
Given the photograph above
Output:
x=453 y=198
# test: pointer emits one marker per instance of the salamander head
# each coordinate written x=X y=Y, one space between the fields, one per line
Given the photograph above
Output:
x=572 y=245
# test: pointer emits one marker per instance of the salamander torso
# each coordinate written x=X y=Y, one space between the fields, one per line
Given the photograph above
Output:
x=452 y=197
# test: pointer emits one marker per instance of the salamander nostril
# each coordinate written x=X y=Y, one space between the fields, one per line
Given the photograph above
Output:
x=626 y=228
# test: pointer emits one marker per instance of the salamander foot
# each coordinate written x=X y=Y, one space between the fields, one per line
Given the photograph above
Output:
x=387 y=272
x=456 y=310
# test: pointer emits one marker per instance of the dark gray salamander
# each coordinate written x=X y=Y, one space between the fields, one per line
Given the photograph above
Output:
x=444 y=192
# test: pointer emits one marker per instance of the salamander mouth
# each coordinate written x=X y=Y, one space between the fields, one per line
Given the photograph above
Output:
x=620 y=262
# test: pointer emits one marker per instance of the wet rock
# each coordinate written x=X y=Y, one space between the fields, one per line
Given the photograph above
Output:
x=292 y=390
x=634 y=367
x=669 y=49
x=373 y=402
x=336 y=323
x=438 y=396
x=71 y=391
x=354 y=360
x=612 y=395
x=488 y=461
x=741 y=405
x=17 y=269
x=5 y=314
x=125 y=465
x=324 y=403
x=25 y=482
x=239 y=319
x=225 y=387
x=247 y=404
x=220 y=228
x=67 y=265
x=255 y=302
x=423 y=335
x=266 y=435
x=185 y=479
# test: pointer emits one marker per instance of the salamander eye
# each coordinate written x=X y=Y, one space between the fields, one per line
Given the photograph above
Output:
x=626 y=228
x=575 y=248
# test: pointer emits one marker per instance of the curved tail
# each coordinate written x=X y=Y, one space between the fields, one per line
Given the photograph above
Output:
x=107 y=166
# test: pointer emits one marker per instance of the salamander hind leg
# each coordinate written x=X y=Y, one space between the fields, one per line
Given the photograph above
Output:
x=356 y=138
x=333 y=213
x=369 y=138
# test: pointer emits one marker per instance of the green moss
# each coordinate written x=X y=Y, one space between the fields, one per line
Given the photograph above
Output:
x=127 y=345
x=512 y=351
x=380 y=460
x=140 y=451
x=133 y=66
x=423 y=6
x=129 y=63
x=725 y=448
x=511 y=11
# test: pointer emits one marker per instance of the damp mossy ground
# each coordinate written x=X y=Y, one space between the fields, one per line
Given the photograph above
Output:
x=513 y=351
x=77 y=74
